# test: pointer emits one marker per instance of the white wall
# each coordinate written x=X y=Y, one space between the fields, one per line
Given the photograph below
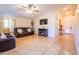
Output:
x=21 y=22
x=77 y=34
x=51 y=16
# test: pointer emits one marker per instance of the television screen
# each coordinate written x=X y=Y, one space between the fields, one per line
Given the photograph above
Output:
x=43 y=21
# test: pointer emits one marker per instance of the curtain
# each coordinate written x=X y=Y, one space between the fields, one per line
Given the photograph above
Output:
x=0 y=25
x=8 y=25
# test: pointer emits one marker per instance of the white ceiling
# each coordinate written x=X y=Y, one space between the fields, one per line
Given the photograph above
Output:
x=12 y=9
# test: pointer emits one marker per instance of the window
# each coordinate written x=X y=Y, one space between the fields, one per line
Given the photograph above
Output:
x=6 y=23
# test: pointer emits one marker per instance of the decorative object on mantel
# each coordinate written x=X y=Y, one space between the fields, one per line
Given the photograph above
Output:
x=32 y=24
x=43 y=27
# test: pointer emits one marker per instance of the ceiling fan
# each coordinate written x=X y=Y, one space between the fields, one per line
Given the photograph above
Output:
x=29 y=8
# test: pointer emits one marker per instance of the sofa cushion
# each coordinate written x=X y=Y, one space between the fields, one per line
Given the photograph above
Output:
x=25 y=30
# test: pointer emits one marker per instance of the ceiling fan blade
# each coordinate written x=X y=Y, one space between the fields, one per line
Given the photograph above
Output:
x=24 y=6
x=36 y=10
x=30 y=5
x=20 y=8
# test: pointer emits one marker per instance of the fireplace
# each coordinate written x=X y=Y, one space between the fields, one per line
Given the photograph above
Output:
x=43 y=32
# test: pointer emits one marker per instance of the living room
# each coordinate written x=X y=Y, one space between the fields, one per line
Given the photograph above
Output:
x=38 y=29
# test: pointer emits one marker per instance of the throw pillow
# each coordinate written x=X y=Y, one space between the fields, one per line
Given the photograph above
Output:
x=29 y=30
x=19 y=30
x=3 y=36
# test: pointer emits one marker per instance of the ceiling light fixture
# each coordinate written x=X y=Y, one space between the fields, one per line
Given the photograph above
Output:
x=30 y=8
x=77 y=11
x=29 y=11
x=78 y=5
x=65 y=8
x=67 y=13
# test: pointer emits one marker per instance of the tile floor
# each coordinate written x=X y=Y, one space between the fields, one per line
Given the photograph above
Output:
x=39 y=45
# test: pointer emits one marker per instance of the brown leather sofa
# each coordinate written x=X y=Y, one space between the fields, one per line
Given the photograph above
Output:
x=24 y=32
x=7 y=44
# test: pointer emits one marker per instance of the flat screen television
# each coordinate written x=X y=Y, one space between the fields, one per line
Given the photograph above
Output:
x=43 y=21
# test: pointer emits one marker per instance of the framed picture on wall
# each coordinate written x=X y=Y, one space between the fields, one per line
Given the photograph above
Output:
x=44 y=21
